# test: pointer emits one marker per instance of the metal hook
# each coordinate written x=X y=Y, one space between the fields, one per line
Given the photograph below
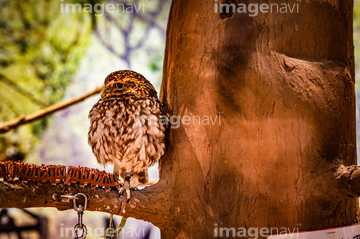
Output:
x=80 y=208
x=77 y=207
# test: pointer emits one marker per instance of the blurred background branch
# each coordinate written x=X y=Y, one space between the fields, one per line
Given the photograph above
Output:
x=6 y=126
x=126 y=28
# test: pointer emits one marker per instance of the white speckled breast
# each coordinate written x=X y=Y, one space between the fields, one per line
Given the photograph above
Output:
x=127 y=133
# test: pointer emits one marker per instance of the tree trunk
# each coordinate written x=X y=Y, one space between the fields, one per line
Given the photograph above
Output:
x=282 y=85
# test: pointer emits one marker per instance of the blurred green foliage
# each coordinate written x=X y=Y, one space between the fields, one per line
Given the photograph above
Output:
x=40 y=49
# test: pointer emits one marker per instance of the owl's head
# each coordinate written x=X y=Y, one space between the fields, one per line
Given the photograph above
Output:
x=127 y=84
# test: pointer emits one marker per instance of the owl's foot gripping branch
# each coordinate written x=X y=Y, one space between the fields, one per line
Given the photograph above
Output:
x=26 y=185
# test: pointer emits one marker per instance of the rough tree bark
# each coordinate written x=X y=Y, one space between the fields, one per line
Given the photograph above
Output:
x=282 y=155
x=285 y=85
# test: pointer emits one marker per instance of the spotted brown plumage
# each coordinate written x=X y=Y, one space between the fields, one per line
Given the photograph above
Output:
x=125 y=125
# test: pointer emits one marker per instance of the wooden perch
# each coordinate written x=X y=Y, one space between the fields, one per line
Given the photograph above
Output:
x=144 y=204
x=26 y=185
x=6 y=126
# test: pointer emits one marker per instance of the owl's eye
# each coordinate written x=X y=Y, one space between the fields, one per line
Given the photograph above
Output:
x=119 y=85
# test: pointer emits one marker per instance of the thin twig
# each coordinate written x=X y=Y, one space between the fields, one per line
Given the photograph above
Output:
x=6 y=126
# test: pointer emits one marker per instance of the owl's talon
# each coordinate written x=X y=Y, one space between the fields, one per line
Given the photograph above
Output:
x=126 y=188
x=128 y=195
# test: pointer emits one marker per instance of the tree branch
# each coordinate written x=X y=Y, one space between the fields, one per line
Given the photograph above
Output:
x=148 y=204
x=6 y=126
x=348 y=178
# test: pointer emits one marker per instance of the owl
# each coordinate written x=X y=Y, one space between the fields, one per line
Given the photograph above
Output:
x=126 y=127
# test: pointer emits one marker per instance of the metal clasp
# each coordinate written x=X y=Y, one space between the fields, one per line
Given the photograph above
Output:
x=80 y=211
x=79 y=227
